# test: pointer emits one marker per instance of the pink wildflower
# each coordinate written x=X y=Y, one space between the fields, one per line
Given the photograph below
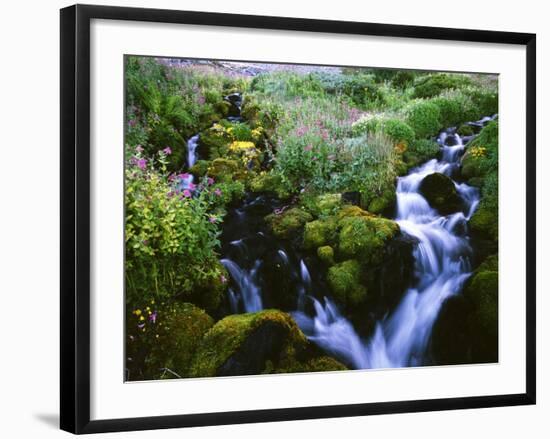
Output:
x=210 y=181
x=139 y=148
x=308 y=147
x=167 y=150
x=187 y=193
x=218 y=192
x=142 y=163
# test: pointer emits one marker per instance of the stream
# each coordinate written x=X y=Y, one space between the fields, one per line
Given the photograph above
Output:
x=266 y=272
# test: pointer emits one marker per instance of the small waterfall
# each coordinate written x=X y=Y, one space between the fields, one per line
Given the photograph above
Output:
x=249 y=291
x=192 y=144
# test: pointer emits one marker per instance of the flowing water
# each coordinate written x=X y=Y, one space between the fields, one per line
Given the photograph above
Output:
x=262 y=268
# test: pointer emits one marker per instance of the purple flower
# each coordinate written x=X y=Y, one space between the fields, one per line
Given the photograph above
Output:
x=210 y=181
x=212 y=219
x=170 y=194
x=139 y=148
x=187 y=193
x=223 y=279
x=141 y=325
x=153 y=317
x=132 y=122
x=167 y=150
x=218 y=192
x=192 y=186
x=142 y=163
x=308 y=147
x=184 y=176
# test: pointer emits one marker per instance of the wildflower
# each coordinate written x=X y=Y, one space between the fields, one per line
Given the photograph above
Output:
x=141 y=325
x=308 y=147
x=210 y=181
x=218 y=192
x=167 y=150
x=142 y=163
x=153 y=317
x=137 y=312
x=170 y=194
x=331 y=157
x=139 y=148
x=223 y=279
x=192 y=186
x=141 y=318
x=212 y=219
x=132 y=122
x=187 y=193
x=184 y=176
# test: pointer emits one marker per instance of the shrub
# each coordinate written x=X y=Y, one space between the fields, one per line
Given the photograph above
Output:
x=432 y=85
x=424 y=118
x=398 y=131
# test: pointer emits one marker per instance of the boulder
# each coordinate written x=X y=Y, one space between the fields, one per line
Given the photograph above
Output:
x=440 y=191
x=289 y=223
x=319 y=232
x=344 y=280
x=263 y=342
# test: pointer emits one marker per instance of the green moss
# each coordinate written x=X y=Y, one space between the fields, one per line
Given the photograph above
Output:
x=482 y=290
x=210 y=291
x=465 y=130
x=318 y=233
x=344 y=280
x=223 y=170
x=215 y=141
x=364 y=237
x=200 y=168
x=484 y=222
x=318 y=364
x=225 y=338
x=489 y=264
x=269 y=182
x=424 y=118
x=326 y=254
x=481 y=158
x=322 y=205
x=441 y=193
x=183 y=325
x=287 y=224
x=383 y=203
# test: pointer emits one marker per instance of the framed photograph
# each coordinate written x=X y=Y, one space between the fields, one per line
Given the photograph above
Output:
x=271 y=218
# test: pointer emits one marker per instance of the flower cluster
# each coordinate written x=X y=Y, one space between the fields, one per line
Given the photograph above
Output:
x=478 y=151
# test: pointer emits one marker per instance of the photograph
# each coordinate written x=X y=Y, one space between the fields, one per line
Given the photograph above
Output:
x=296 y=218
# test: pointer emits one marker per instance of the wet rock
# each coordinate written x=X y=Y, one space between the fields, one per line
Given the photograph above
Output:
x=441 y=193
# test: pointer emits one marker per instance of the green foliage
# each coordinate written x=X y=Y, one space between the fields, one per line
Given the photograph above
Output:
x=420 y=151
x=318 y=233
x=432 y=85
x=326 y=254
x=398 y=131
x=171 y=236
x=424 y=118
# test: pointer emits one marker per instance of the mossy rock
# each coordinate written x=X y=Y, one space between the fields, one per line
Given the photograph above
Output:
x=215 y=141
x=326 y=254
x=271 y=183
x=319 y=232
x=289 y=223
x=183 y=326
x=385 y=203
x=318 y=364
x=210 y=292
x=354 y=211
x=324 y=205
x=484 y=223
x=200 y=168
x=465 y=130
x=223 y=169
x=364 y=237
x=245 y=344
x=482 y=291
x=344 y=280
x=440 y=191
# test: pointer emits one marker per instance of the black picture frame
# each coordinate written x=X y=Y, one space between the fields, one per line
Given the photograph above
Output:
x=75 y=217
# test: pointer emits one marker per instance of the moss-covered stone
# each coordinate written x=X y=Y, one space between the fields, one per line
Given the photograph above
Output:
x=222 y=169
x=215 y=141
x=385 y=203
x=344 y=280
x=289 y=223
x=318 y=364
x=363 y=237
x=326 y=254
x=484 y=222
x=210 y=291
x=319 y=232
x=183 y=326
x=200 y=168
x=465 y=130
x=441 y=193
x=323 y=205
x=271 y=183
x=244 y=344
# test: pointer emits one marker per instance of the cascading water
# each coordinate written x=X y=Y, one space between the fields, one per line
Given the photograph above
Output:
x=441 y=265
x=192 y=144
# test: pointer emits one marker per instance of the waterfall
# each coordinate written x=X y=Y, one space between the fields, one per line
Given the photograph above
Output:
x=441 y=267
x=192 y=144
